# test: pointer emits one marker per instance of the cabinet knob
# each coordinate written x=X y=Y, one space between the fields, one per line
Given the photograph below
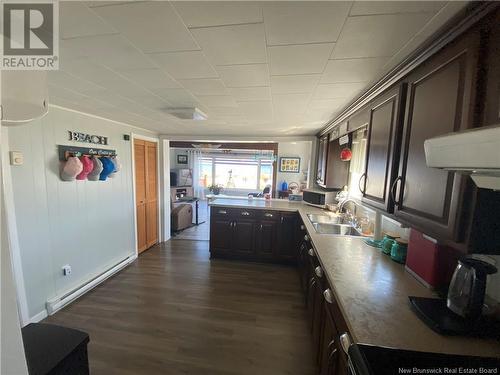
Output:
x=302 y=227
x=310 y=252
x=318 y=271
x=306 y=237
x=222 y=212
x=328 y=296
x=245 y=213
x=267 y=214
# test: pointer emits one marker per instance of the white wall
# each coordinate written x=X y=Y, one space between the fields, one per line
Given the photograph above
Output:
x=301 y=149
x=86 y=224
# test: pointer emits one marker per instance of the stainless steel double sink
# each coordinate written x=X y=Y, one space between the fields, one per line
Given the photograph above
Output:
x=334 y=224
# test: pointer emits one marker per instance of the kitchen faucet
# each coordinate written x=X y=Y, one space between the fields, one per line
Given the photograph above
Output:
x=344 y=202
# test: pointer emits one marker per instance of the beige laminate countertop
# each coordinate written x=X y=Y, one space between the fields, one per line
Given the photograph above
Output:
x=372 y=290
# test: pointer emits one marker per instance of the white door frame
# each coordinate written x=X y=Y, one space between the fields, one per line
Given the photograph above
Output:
x=133 y=137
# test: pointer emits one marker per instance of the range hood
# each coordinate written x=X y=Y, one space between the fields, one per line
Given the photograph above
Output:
x=475 y=152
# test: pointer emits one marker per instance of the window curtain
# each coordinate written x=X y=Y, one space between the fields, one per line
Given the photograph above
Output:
x=194 y=159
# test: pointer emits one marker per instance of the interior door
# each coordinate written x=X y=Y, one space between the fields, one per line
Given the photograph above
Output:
x=140 y=193
x=151 y=194
x=146 y=193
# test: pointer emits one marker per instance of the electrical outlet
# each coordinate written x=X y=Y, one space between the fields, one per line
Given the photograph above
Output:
x=66 y=270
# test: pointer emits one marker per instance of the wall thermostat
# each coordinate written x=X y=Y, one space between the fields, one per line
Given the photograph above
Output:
x=16 y=158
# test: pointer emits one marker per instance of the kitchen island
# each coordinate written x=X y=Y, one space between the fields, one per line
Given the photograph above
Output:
x=370 y=291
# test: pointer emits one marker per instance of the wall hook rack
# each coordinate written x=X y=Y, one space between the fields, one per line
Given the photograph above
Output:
x=67 y=151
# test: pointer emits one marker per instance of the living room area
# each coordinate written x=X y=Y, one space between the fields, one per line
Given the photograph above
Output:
x=201 y=172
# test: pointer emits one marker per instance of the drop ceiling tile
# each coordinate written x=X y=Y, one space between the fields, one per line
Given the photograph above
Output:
x=374 y=36
x=251 y=93
x=330 y=104
x=152 y=26
x=150 y=78
x=217 y=13
x=392 y=7
x=217 y=100
x=210 y=86
x=238 y=44
x=244 y=75
x=302 y=83
x=185 y=65
x=177 y=97
x=113 y=51
x=353 y=70
x=152 y=102
x=78 y=20
x=63 y=79
x=338 y=90
x=299 y=59
x=66 y=93
x=257 y=111
x=304 y=22
x=290 y=103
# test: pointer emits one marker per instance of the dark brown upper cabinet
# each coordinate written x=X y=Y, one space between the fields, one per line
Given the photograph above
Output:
x=337 y=173
x=322 y=161
x=383 y=145
x=492 y=97
x=359 y=119
x=440 y=99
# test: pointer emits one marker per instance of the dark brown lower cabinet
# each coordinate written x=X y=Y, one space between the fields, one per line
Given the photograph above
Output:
x=254 y=235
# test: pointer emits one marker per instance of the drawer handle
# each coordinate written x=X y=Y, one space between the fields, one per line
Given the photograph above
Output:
x=310 y=252
x=267 y=214
x=318 y=271
x=222 y=212
x=362 y=187
x=328 y=296
x=393 y=191
x=346 y=342
x=245 y=213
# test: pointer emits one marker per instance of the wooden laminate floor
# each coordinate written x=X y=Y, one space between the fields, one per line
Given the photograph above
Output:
x=173 y=311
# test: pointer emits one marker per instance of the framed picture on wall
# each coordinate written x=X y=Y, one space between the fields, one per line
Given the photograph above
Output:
x=290 y=164
x=182 y=159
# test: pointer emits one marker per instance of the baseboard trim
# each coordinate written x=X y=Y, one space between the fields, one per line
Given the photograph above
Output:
x=39 y=317
x=55 y=304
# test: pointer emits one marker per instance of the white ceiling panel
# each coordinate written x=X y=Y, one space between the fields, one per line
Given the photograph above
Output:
x=152 y=26
x=259 y=110
x=151 y=78
x=299 y=59
x=77 y=20
x=64 y=79
x=290 y=103
x=217 y=100
x=393 y=7
x=353 y=70
x=239 y=44
x=338 y=90
x=185 y=65
x=210 y=86
x=302 y=83
x=374 y=36
x=304 y=21
x=244 y=75
x=218 y=13
x=114 y=51
x=251 y=93
x=151 y=102
x=177 y=97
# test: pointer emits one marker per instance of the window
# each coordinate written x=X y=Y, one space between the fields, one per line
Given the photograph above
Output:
x=237 y=171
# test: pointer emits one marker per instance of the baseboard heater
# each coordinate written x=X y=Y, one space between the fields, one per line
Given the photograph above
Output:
x=55 y=304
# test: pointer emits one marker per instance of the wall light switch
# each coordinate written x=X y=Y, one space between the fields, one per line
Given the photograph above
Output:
x=16 y=158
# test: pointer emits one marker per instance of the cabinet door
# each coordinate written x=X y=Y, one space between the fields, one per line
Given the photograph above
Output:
x=382 y=150
x=243 y=237
x=440 y=95
x=329 y=351
x=287 y=242
x=492 y=97
x=266 y=234
x=322 y=161
x=337 y=174
x=221 y=234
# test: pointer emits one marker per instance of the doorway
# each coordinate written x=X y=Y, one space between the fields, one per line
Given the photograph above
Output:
x=146 y=193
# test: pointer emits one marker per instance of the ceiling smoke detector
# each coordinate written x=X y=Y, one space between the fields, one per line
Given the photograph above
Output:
x=187 y=113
